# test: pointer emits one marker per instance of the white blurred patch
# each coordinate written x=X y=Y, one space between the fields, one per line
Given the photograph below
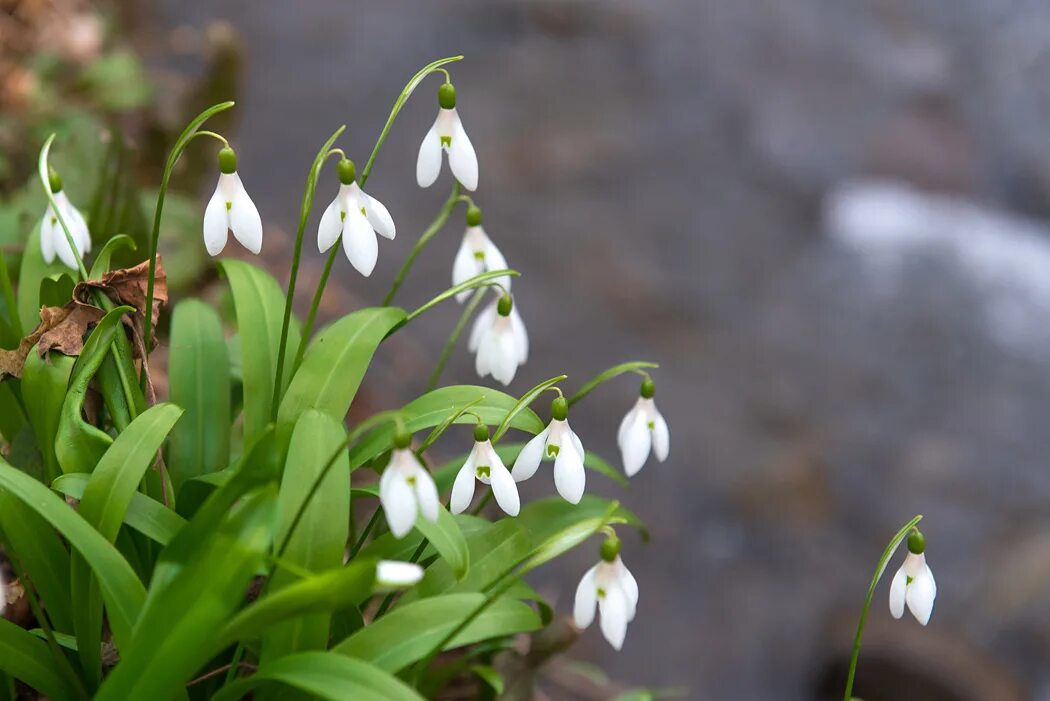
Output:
x=1005 y=257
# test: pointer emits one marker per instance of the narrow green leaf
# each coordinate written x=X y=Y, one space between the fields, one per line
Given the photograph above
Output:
x=434 y=407
x=324 y=593
x=78 y=444
x=45 y=380
x=145 y=515
x=490 y=676
x=102 y=260
x=199 y=376
x=334 y=365
x=326 y=676
x=447 y=539
x=544 y=518
x=28 y=658
x=319 y=540
x=109 y=490
x=122 y=591
x=406 y=634
x=172 y=636
x=258 y=300
x=526 y=400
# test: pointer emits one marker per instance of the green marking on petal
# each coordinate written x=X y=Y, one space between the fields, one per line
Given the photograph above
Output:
x=54 y=220
x=601 y=593
x=552 y=451
x=479 y=255
x=363 y=211
x=908 y=580
x=483 y=471
x=342 y=215
x=229 y=206
x=411 y=481
x=652 y=425
x=446 y=141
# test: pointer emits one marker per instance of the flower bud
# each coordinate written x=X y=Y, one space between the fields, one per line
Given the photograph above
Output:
x=54 y=180
x=402 y=439
x=473 y=216
x=560 y=409
x=447 y=96
x=227 y=160
x=610 y=548
x=347 y=171
x=916 y=542
x=481 y=433
x=506 y=304
x=648 y=390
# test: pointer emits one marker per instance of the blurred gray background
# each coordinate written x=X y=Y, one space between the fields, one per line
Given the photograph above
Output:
x=823 y=218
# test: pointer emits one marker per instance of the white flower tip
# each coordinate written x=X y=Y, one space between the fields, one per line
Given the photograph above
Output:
x=394 y=574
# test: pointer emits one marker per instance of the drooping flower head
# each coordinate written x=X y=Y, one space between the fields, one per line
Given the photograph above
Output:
x=231 y=209
x=500 y=340
x=557 y=442
x=610 y=588
x=641 y=429
x=53 y=239
x=913 y=585
x=484 y=465
x=357 y=217
x=477 y=254
x=406 y=489
x=447 y=135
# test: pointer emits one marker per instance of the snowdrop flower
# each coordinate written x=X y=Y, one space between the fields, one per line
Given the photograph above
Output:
x=53 y=239
x=500 y=341
x=642 y=428
x=477 y=254
x=914 y=584
x=611 y=588
x=486 y=466
x=447 y=135
x=356 y=216
x=394 y=574
x=559 y=442
x=231 y=209
x=406 y=489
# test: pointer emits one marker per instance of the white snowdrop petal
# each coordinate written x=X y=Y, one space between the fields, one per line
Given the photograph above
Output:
x=898 y=590
x=330 y=227
x=359 y=242
x=576 y=442
x=463 y=487
x=245 y=222
x=494 y=260
x=636 y=444
x=63 y=249
x=77 y=227
x=630 y=588
x=920 y=596
x=394 y=574
x=464 y=267
x=661 y=436
x=586 y=599
x=504 y=488
x=521 y=336
x=399 y=503
x=379 y=217
x=569 y=475
x=428 y=163
x=47 y=237
x=613 y=608
x=505 y=360
x=528 y=460
x=461 y=157
x=426 y=494
x=482 y=324
x=485 y=357
x=216 y=224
